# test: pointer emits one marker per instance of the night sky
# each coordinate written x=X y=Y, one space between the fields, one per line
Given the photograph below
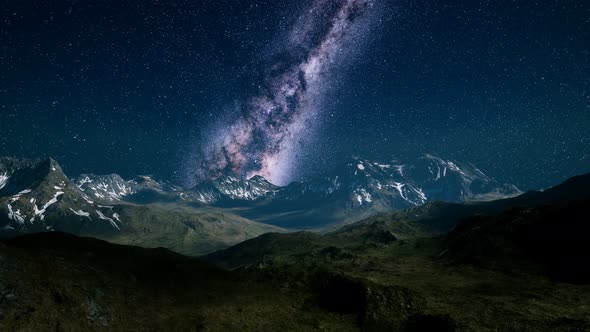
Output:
x=185 y=90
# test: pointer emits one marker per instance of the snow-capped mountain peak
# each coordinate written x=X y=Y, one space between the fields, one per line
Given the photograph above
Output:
x=397 y=185
x=228 y=187
x=36 y=195
x=109 y=188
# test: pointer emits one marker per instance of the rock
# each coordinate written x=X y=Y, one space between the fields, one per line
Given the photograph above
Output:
x=95 y=312
x=379 y=308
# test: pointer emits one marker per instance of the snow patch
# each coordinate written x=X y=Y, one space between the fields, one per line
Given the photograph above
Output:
x=109 y=189
x=202 y=198
x=15 y=215
x=17 y=196
x=103 y=217
x=421 y=194
x=84 y=181
x=363 y=196
x=456 y=168
x=41 y=212
x=400 y=169
x=4 y=180
x=438 y=173
x=81 y=213
x=399 y=186
x=359 y=199
x=87 y=199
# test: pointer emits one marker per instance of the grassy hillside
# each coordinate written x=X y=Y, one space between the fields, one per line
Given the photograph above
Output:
x=188 y=231
x=552 y=238
x=520 y=270
x=54 y=281
x=58 y=282
x=38 y=197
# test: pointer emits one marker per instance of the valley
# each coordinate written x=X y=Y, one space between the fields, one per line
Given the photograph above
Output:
x=441 y=266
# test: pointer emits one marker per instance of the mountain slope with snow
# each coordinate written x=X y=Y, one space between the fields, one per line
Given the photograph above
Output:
x=230 y=188
x=36 y=196
x=358 y=189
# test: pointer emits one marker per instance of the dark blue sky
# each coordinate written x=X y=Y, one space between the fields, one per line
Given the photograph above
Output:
x=140 y=86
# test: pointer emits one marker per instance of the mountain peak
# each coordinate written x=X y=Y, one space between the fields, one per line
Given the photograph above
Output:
x=259 y=179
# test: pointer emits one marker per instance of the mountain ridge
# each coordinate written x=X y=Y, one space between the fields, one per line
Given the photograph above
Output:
x=357 y=189
x=360 y=188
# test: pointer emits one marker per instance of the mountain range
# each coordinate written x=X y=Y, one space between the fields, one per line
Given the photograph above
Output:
x=36 y=196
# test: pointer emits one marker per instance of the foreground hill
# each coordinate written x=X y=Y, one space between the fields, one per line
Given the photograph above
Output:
x=521 y=259
x=552 y=238
x=59 y=282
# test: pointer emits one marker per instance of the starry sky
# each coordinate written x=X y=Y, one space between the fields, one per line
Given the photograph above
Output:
x=185 y=90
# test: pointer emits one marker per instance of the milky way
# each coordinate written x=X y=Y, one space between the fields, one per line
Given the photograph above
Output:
x=266 y=137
